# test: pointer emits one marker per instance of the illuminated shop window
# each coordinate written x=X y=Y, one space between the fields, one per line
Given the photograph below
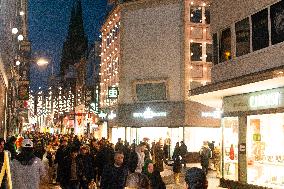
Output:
x=265 y=152
x=230 y=149
x=151 y=91
x=196 y=51
x=260 y=37
x=207 y=15
x=225 y=45
x=242 y=29
x=196 y=14
x=277 y=22
x=209 y=52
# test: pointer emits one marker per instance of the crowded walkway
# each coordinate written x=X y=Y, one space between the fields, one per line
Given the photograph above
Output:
x=69 y=161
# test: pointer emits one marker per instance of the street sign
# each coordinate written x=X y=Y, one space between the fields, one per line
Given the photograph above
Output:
x=113 y=92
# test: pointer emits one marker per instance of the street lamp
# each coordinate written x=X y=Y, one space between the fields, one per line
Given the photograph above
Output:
x=44 y=62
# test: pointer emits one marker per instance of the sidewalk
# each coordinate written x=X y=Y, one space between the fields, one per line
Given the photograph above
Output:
x=213 y=181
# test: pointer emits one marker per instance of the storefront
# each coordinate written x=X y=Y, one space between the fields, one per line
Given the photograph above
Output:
x=165 y=122
x=253 y=138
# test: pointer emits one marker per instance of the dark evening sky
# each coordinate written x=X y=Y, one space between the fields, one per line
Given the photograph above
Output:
x=48 y=25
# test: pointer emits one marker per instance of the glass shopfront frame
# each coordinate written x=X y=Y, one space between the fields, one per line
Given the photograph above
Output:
x=230 y=132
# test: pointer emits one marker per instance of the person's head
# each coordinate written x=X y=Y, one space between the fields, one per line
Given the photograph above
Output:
x=118 y=158
x=73 y=151
x=2 y=143
x=142 y=146
x=148 y=167
x=85 y=149
x=138 y=181
x=195 y=178
x=64 y=142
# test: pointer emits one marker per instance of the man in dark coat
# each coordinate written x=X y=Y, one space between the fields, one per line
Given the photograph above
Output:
x=205 y=155
x=62 y=152
x=114 y=175
x=183 y=152
x=71 y=170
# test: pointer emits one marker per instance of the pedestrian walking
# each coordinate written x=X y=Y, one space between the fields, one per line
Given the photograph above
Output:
x=27 y=170
x=156 y=181
x=183 y=153
x=205 y=155
x=114 y=175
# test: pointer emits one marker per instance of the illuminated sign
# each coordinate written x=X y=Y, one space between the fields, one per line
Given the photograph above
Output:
x=215 y=114
x=112 y=92
x=148 y=114
x=265 y=100
x=111 y=115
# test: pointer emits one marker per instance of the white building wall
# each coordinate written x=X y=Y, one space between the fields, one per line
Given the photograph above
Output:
x=152 y=40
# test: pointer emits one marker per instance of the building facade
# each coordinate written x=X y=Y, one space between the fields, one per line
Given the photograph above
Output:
x=152 y=53
x=247 y=84
x=14 y=67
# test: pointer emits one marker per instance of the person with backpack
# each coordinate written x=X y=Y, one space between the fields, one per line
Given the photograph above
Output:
x=205 y=155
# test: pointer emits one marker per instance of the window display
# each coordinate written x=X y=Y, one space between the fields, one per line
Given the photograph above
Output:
x=265 y=152
x=230 y=127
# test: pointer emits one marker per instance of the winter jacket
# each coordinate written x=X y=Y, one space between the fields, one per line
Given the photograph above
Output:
x=114 y=177
x=27 y=176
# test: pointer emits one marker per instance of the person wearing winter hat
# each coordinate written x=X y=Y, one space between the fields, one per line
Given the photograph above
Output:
x=195 y=178
x=27 y=170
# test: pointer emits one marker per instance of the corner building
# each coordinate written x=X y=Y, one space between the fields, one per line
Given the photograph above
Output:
x=247 y=84
x=147 y=56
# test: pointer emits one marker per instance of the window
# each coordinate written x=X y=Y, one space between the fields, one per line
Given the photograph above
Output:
x=196 y=51
x=277 y=22
x=260 y=30
x=208 y=52
x=196 y=14
x=215 y=49
x=151 y=91
x=207 y=15
x=225 y=45
x=242 y=29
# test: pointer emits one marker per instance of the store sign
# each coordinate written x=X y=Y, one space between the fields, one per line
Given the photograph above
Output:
x=148 y=114
x=215 y=114
x=265 y=100
x=112 y=92
x=242 y=148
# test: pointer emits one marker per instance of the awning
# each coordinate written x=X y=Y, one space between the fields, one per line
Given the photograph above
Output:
x=212 y=94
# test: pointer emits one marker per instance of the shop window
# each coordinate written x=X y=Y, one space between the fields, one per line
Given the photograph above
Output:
x=196 y=14
x=242 y=29
x=215 y=49
x=277 y=22
x=208 y=52
x=207 y=15
x=151 y=91
x=196 y=51
x=225 y=45
x=265 y=152
x=260 y=30
x=230 y=147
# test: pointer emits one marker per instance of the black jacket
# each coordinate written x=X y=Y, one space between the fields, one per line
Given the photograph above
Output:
x=114 y=177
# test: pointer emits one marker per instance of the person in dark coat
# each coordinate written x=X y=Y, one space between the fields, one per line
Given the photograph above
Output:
x=71 y=170
x=159 y=157
x=195 y=178
x=205 y=155
x=11 y=147
x=177 y=166
x=61 y=154
x=156 y=181
x=114 y=175
x=183 y=152
x=87 y=173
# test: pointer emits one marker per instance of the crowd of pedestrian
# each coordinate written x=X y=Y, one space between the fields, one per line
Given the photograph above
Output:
x=84 y=163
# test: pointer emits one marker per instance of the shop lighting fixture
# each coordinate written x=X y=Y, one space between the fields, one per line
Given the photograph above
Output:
x=20 y=37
